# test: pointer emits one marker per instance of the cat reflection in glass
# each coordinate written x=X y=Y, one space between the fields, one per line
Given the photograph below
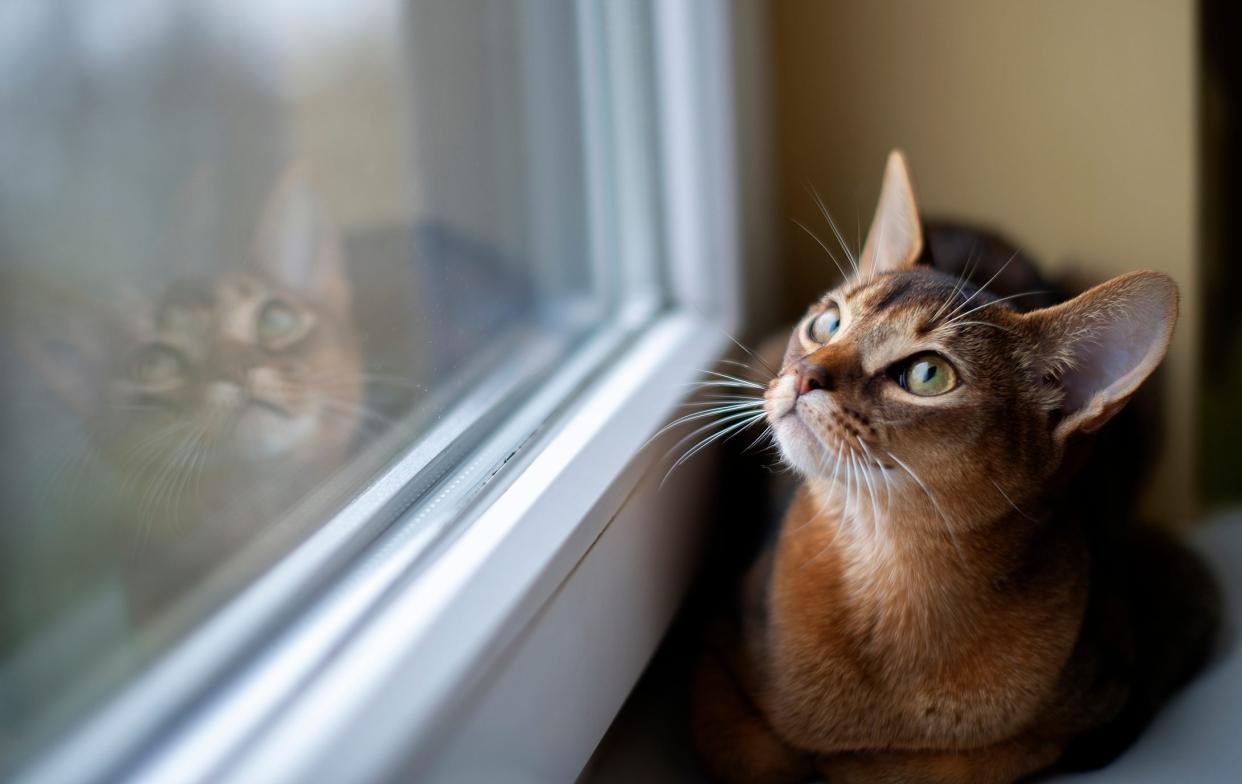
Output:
x=217 y=404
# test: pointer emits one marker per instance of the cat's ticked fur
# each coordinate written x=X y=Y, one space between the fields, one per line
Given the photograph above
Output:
x=939 y=606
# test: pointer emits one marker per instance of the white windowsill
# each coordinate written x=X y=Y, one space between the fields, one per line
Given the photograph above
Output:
x=557 y=590
x=391 y=694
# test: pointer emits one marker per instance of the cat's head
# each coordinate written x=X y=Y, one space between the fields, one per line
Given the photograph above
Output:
x=905 y=387
x=258 y=363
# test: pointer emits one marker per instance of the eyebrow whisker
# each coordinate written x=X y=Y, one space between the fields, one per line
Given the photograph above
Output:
x=958 y=318
x=984 y=287
x=822 y=244
x=983 y=324
x=960 y=283
x=833 y=224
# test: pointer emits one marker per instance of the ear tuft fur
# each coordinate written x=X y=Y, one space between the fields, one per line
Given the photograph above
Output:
x=1101 y=345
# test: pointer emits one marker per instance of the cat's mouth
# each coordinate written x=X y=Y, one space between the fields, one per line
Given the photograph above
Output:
x=815 y=431
x=815 y=438
x=253 y=425
x=263 y=429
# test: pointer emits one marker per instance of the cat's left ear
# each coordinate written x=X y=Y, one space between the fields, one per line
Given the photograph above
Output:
x=297 y=245
x=1101 y=345
x=895 y=239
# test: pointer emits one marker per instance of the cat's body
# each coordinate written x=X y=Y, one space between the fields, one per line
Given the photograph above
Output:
x=941 y=604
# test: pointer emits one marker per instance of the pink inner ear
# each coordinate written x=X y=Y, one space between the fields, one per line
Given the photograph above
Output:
x=1113 y=345
x=1099 y=367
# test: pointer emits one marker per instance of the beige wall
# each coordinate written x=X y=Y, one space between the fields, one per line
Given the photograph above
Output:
x=1067 y=124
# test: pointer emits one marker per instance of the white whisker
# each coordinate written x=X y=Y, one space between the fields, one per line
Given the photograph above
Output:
x=959 y=283
x=714 y=399
x=984 y=287
x=725 y=434
x=767 y=432
x=1011 y=503
x=730 y=413
x=983 y=324
x=735 y=379
x=866 y=474
x=755 y=356
x=719 y=385
x=836 y=231
x=935 y=505
x=883 y=475
x=994 y=302
x=822 y=244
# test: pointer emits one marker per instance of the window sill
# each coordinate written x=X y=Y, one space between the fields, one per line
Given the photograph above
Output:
x=400 y=690
x=558 y=588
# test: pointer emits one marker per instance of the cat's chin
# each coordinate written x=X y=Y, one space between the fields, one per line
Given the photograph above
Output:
x=802 y=448
x=261 y=433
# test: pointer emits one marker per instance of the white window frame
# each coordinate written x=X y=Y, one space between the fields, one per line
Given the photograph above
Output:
x=510 y=650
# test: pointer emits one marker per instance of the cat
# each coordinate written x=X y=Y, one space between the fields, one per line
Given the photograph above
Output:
x=216 y=404
x=944 y=601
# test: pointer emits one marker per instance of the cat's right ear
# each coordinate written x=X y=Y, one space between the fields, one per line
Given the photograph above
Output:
x=1102 y=345
x=297 y=245
x=895 y=239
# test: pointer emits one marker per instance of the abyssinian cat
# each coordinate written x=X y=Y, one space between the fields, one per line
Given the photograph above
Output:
x=216 y=404
x=941 y=602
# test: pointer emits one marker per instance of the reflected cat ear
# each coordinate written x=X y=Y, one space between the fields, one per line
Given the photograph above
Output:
x=895 y=238
x=1101 y=345
x=297 y=245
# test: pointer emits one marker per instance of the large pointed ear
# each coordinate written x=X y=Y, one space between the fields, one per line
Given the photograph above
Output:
x=1101 y=345
x=895 y=239
x=297 y=246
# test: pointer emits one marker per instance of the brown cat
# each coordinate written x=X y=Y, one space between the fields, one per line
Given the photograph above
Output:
x=218 y=403
x=939 y=605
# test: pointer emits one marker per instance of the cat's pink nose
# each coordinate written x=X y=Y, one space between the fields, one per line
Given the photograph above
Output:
x=812 y=376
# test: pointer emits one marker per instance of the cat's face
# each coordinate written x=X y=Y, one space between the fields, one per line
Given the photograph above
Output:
x=242 y=384
x=882 y=375
x=904 y=386
x=255 y=369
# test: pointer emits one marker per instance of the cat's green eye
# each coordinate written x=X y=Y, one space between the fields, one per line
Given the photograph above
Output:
x=159 y=366
x=278 y=323
x=927 y=375
x=826 y=324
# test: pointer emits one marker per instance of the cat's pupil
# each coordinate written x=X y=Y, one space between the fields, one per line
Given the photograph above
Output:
x=929 y=375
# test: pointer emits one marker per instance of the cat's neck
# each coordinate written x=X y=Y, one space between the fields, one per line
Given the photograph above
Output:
x=915 y=572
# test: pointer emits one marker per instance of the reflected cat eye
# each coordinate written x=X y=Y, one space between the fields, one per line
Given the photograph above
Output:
x=825 y=325
x=927 y=375
x=159 y=365
x=278 y=325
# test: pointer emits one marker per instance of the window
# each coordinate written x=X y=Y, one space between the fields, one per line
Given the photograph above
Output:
x=296 y=293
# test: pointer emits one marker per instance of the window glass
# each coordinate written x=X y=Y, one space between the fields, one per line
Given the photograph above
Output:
x=251 y=255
